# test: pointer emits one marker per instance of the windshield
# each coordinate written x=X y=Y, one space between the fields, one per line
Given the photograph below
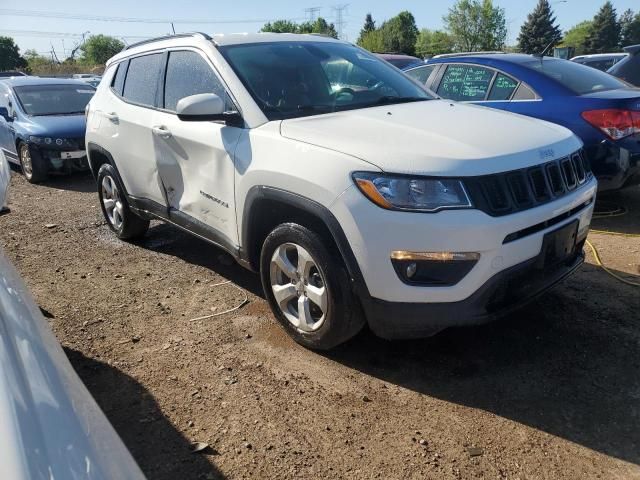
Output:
x=295 y=79
x=578 y=78
x=54 y=99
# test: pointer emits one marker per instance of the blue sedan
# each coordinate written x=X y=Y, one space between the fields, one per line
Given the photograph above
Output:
x=599 y=108
x=42 y=124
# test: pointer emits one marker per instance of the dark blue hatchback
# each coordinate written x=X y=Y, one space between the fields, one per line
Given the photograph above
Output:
x=42 y=124
x=599 y=108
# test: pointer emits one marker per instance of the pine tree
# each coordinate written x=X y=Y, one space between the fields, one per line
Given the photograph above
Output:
x=629 y=28
x=605 y=35
x=369 y=26
x=540 y=30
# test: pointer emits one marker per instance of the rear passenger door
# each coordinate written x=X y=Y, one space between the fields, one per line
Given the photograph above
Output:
x=126 y=121
x=7 y=130
x=195 y=159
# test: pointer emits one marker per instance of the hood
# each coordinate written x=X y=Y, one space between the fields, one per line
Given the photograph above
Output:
x=436 y=137
x=59 y=126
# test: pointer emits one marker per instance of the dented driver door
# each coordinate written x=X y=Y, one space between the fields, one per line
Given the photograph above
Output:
x=195 y=159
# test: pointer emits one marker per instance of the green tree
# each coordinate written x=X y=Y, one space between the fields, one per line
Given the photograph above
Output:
x=400 y=33
x=280 y=26
x=372 y=41
x=320 y=26
x=10 y=58
x=433 y=42
x=629 y=28
x=605 y=34
x=369 y=26
x=476 y=25
x=577 y=36
x=540 y=30
x=97 y=49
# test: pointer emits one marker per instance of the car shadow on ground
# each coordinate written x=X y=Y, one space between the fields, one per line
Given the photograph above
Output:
x=561 y=365
x=76 y=182
x=169 y=240
x=618 y=211
x=157 y=446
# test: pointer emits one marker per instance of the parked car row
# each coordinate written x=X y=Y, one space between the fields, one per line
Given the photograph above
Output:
x=218 y=136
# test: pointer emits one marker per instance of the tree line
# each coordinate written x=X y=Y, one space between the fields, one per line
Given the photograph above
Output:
x=469 y=25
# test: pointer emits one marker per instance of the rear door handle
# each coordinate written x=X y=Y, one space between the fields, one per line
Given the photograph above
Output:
x=161 y=131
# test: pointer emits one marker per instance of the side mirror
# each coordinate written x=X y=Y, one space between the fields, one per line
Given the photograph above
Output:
x=4 y=112
x=204 y=107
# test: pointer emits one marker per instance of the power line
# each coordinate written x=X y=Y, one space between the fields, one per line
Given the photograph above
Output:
x=100 y=18
x=39 y=33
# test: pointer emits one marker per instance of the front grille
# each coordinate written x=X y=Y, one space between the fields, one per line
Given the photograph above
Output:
x=510 y=192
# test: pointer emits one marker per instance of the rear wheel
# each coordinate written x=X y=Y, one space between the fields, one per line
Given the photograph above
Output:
x=120 y=218
x=308 y=288
x=33 y=165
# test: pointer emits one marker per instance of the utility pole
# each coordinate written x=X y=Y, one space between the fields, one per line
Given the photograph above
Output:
x=340 y=21
x=312 y=13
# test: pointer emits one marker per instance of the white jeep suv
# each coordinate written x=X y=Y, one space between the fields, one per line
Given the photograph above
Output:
x=357 y=195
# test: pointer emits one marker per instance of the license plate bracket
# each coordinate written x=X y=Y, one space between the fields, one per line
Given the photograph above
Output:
x=558 y=245
x=72 y=154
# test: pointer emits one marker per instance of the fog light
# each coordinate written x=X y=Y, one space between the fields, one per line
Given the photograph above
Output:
x=411 y=269
x=434 y=269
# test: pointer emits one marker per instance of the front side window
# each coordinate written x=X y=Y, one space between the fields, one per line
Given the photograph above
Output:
x=465 y=83
x=41 y=100
x=141 y=81
x=189 y=74
x=421 y=74
x=577 y=78
x=294 y=79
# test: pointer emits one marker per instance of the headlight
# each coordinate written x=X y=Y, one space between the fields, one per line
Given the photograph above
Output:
x=416 y=194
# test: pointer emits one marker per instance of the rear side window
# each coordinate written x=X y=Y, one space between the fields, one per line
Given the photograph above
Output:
x=503 y=87
x=142 y=79
x=465 y=83
x=578 y=78
x=118 y=79
x=189 y=74
x=524 y=93
x=421 y=74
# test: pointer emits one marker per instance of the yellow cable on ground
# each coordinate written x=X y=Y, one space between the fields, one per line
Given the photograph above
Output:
x=616 y=211
x=601 y=265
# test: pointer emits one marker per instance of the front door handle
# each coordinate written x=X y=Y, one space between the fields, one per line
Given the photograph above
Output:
x=161 y=131
x=112 y=117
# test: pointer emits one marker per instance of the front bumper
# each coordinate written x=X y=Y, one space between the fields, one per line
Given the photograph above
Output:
x=57 y=163
x=507 y=245
x=615 y=166
x=502 y=294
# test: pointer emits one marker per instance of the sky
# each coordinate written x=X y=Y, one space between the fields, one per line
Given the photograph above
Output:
x=33 y=30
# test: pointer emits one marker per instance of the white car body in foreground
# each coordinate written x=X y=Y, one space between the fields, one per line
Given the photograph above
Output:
x=5 y=178
x=50 y=426
x=234 y=182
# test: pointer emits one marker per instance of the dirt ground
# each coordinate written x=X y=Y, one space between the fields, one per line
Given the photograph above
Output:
x=551 y=393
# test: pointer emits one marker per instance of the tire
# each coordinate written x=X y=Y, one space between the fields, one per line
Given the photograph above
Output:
x=34 y=167
x=332 y=317
x=115 y=208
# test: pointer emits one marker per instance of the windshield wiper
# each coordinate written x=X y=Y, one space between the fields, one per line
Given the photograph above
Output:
x=390 y=99
x=57 y=114
x=315 y=108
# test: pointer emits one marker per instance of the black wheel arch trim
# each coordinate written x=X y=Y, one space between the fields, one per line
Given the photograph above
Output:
x=259 y=193
x=94 y=147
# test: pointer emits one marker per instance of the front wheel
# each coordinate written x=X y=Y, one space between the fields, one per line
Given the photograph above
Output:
x=126 y=224
x=308 y=288
x=33 y=165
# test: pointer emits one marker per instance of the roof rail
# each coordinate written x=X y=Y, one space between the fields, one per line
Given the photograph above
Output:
x=169 y=37
x=466 y=54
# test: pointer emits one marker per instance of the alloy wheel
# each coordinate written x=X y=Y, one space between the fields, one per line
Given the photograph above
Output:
x=112 y=202
x=299 y=287
x=25 y=160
